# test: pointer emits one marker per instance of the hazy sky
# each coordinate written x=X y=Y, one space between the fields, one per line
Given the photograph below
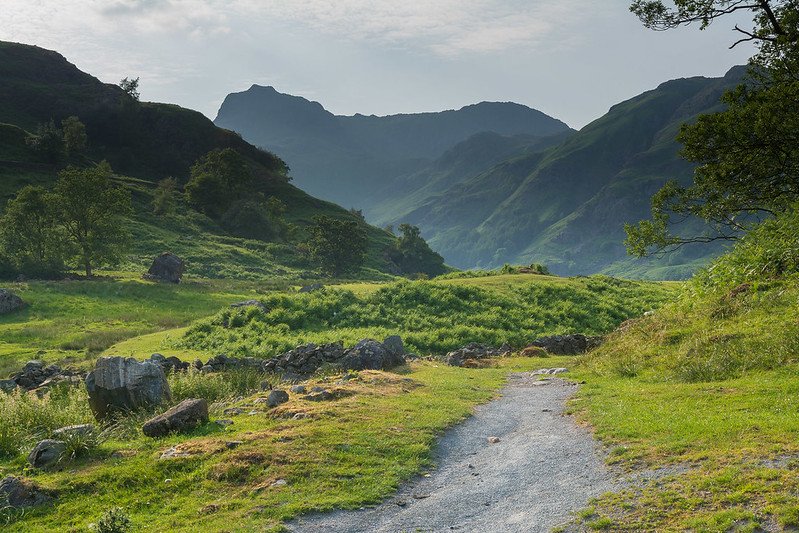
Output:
x=572 y=59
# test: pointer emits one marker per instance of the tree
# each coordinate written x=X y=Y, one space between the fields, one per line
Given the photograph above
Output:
x=48 y=142
x=747 y=156
x=131 y=87
x=30 y=235
x=92 y=209
x=164 y=196
x=339 y=245
x=413 y=255
x=256 y=217
x=75 y=137
x=217 y=179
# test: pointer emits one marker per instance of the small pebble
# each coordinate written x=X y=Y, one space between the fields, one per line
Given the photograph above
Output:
x=493 y=440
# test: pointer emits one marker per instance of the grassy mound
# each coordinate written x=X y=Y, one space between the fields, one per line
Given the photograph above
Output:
x=431 y=316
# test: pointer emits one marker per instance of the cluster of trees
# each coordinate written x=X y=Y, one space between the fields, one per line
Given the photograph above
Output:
x=413 y=255
x=79 y=221
x=53 y=143
x=747 y=156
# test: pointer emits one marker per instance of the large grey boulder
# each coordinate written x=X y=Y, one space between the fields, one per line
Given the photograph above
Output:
x=166 y=267
x=46 y=453
x=186 y=415
x=21 y=493
x=119 y=384
x=9 y=302
x=370 y=354
x=276 y=397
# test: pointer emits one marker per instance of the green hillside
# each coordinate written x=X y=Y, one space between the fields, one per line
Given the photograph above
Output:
x=145 y=142
x=566 y=207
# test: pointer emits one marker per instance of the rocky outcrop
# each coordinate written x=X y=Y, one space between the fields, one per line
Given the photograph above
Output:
x=119 y=384
x=21 y=493
x=186 y=415
x=9 y=302
x=368 y=354
x=47 y=453
x=567 y=344
x=475 y=352
x=169 y=364
x=167 y=267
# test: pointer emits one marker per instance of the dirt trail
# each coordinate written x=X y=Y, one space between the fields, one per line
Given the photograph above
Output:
x=543 y=468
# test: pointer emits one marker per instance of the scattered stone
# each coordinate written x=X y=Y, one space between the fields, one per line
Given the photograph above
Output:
x=21 y=493
x=299 y=416
x=311 y=288
x=277 y=397
x=232 y=411
x=68 y=432
x=174 y=453
x=567 y=344
x=9 y=302
x=186 y=415
x=8 y=385
x=393 y=344
x=548 y=371
x=265 y=385
x=493 y=440
x=233 y=444
x=298 y=389
x=119 y=384
x=166 y=267
x=169 y=364
x=317 y=388
x=279 y=483
x=249 y=303
x=46 y=453
x=475 y=352
x=35 y=374
x=224 y=422
x=321 y=396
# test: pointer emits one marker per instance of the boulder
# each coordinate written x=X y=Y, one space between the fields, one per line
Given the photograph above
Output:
x=249 y=303
x=119 y=384
x=186 y=415
x=370 y=354
x=276 y=397
x=298 y=389
x=9 y=302
x=320 y=396
x=169 y=364
x=475 y=352
x=567 y=344
x=394 y=344
x=46 y=453
x=8 y=385
x=304 y=360
x=72 y=431
x=166 y=267
x=21 y=493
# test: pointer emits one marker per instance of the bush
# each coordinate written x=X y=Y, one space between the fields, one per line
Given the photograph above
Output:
x=114 y=520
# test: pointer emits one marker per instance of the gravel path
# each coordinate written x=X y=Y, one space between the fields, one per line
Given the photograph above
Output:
x=543 y=468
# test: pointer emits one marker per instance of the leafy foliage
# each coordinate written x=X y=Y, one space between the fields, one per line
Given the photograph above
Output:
x=48 y=142
x=217 y=179
x=75 y=138
x=164 y=197
x=114 y=520
x=131 y=87
x=339 y=245
x=413 y=255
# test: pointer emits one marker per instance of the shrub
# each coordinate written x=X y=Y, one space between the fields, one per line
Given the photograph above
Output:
x=114 y=520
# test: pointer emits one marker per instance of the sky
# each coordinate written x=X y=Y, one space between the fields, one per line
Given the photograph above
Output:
x=572 y=59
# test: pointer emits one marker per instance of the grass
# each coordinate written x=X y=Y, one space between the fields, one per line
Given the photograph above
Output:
x=345 y=454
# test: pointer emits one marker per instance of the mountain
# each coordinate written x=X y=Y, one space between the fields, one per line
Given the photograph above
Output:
x=145 y=142
x=566 y=206
x=349 y=158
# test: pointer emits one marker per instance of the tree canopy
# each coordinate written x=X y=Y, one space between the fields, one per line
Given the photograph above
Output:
x=217 y=180
x=339 y=245
x=747 y=156
x=413 y=255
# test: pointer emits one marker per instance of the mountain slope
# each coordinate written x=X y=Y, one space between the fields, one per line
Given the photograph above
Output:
x=345 y=158
x=146 y=142
x=567 y=207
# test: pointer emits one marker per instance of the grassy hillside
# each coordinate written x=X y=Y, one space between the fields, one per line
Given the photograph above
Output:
x=567 y=207
x=346 y=453
x=145 y=142
x=704 y=394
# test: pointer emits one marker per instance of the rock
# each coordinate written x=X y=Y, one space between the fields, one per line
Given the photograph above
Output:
x=475 y=352
x=279 y=483
x=224 y=422
x=186 y=415
x=393 y=344
x=119 y=384
x=265 y=385
x=173 y=453
x=534 y=351
x=249 y=303
x=372 y=355
x=46 y=453
x=277 y=397
x=298 y=389
x=167 y=267
x=493 y=440
x=72 y=431
x=321 y=396
x=304 y=360
x=311 y=288
x=317 y=388
x=9 y=302
x=21 y=493
x=169 y=364
x=232 y=411
x=233 y=444
x=8 y=385
x=34 y=374
x=567 y=344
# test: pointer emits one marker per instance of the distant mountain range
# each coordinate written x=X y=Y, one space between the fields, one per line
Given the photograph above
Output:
x=496 y=182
